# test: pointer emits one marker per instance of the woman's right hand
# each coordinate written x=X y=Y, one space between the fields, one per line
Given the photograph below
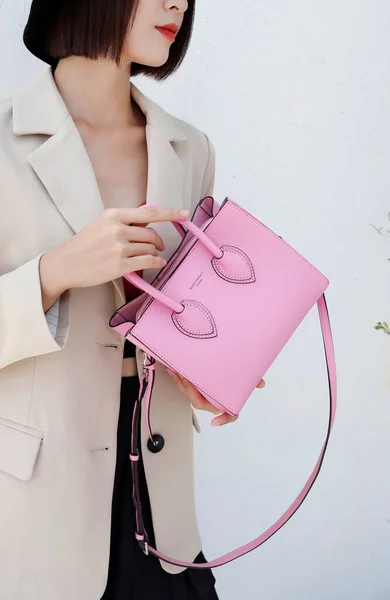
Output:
x=113 y=244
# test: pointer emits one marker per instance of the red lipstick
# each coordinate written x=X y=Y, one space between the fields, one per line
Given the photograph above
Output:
x=169 y=31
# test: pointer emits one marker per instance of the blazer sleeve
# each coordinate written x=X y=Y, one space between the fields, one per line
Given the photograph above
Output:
x=24 y=328
x=209 y=176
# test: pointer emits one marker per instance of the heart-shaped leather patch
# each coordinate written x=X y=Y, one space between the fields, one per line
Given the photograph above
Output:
x=195 y=321
x=234 y=266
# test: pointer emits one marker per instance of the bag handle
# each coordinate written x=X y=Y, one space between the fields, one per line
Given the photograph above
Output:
x=140 y=283
x=147 y=380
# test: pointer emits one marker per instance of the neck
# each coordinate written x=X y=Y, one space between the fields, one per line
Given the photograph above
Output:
x=96 y=92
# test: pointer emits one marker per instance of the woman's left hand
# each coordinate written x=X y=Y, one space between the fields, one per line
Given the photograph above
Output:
x=198 y=401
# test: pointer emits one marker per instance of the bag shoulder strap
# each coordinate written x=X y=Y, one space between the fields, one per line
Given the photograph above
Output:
x=147 y=380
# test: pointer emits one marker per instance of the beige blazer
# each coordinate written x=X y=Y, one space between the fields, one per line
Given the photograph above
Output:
x=59 y=399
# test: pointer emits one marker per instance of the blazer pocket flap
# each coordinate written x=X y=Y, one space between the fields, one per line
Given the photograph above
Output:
x=19 y=448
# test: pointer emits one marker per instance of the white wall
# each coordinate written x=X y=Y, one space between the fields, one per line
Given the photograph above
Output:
x=296 y=98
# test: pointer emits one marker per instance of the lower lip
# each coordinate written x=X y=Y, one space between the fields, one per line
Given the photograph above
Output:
x=166 y=33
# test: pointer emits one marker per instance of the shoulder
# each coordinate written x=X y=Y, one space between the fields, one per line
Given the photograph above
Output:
x=197 y=145
x=197 y=137
x=177 y=129
x=199 y=140
x=203 y=146
x=202 y=150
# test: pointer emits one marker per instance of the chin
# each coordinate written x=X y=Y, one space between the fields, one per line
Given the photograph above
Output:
x=157 y=62
x=155 y=59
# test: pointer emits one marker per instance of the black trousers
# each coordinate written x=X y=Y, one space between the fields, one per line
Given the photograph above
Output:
x=133 y=575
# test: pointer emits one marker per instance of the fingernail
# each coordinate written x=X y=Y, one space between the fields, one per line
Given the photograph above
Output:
x=185 y=213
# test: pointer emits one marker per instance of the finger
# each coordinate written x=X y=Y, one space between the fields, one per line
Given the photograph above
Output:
x=151 y=214
x=223 y=419
x=177 y=379
x=142 y=262
x=142 y=233
x=139 y=249
x=261 y=384
x=195 y=397
x=198 y=401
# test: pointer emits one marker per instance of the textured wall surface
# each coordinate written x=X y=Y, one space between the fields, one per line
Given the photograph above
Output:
x=296 y=97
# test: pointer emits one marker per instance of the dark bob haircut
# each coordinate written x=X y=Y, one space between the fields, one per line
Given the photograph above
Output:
x=95 y=28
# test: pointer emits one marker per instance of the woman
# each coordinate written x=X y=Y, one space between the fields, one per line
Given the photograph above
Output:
x=81 y=149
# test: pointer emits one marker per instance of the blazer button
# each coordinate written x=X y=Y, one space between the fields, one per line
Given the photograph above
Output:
x=156 y=444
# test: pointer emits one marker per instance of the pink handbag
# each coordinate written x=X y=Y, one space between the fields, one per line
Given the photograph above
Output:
x=219 y=313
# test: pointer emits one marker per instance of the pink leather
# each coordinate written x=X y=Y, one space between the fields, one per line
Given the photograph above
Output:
x=170 y=302
x=148 y=377
x=254 y=297
x=222 y=560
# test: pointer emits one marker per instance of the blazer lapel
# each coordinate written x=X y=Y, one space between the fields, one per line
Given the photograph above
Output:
x=62 y=162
